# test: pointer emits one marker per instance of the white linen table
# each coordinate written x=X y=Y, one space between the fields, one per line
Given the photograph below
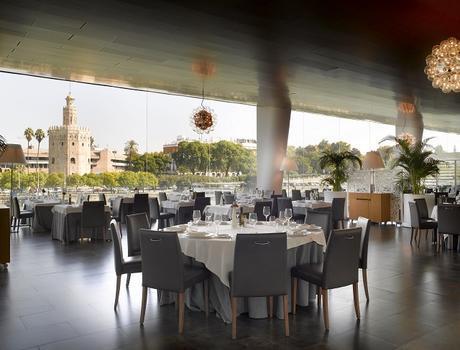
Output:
x=226 y=210
x=217 y=254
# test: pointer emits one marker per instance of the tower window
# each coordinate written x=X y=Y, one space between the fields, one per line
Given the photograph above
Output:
x=52 y=160
x=83 y=145
x=72 y=160
x=73 y=143
x=62 y=143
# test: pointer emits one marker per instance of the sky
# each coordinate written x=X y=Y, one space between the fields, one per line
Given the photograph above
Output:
x=153 y=119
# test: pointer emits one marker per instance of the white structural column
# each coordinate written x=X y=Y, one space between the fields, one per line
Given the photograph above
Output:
x=273 y=119
x=410 y=121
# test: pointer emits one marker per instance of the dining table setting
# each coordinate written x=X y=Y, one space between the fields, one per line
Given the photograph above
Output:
x=212 y=244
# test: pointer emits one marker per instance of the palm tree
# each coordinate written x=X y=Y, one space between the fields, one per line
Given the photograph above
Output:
x=39 y=136
x=339 y=162
x=415 y=159
x=131 y=149
x=29 y=134
x=2 y=145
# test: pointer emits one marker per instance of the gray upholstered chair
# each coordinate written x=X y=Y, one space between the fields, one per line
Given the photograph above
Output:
x=103 y=198
x=418 y=223
x=134 y=223
x=156 y=214
x=218 y=195
x=184 y=215
x=259 y=209
x=196 y=195
x=122 y=265
x=162 y=196
x=286 y=203
x=18 y=215
x=365 y=225
x=338 y=212
x=307 y=194
x=259 y=270
x=141 y=203
x=93 y=218
x=117 y=204
x=296 y=195
x=339 y=269
x=284 y=193
x=229 y=198
x=321 y=219
x=163 y=268
x=448 y=222
x=425 y=217
x=201 y=203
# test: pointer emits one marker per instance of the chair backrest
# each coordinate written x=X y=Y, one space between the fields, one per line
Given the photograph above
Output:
x=162 y=196
x=341 y=260
x=93 y=215
x=260 y=265
x=422 y=208
x=338 y=209
x=365 y=225
x=414 y=215
x=88 y=198
x=229 y=198
x=284 y=203
x=141 y=203
x=103 y=198
x=198 y=195
x=116 y=208
x=259 y=209
x=296 y=195
x=184 y=214
x=321 y=219
x=218 y=195
x=154 y=208
x=307 y=194
x=283 y=193
x=134 y=223
x=162 y=264
x=274 y=198
x=449 y=218
x=117 y=247
x=16 y=210
x=201 y=203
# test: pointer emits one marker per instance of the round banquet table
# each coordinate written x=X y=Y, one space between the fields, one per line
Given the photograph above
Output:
x=217 y=256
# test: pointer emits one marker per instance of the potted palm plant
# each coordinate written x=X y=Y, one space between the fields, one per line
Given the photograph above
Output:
x=415 y=161
x=339 y=165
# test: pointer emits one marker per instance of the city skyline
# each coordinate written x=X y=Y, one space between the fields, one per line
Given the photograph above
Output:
x=104 y=109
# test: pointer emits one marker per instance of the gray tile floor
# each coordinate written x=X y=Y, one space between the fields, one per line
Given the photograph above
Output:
x=61 y=297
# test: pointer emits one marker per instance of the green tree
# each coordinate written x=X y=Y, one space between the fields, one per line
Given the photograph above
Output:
x=145 y=179
x=191 y=156
x=128 y=179
x=39 y=136
x=153 y=162
x=74 y=180
x=29 y=135
x=338 y=163
x=131 y=150
x=91 y=180
x=2 y=145
x=224 y=156
x=54 y=180
x=109 y=180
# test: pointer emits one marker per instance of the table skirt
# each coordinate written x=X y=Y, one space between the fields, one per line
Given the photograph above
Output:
x=66 y=227
x=219 y=294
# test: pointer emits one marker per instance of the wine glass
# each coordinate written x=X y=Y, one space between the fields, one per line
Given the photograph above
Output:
x=208 y=218
x=252 y=219
x=217 y=221
x=196 y=216
x=272 y=219
x=266 y=211
x=282 y=217
x=288 y=214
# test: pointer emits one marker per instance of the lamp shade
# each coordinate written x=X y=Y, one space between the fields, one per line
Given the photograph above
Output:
x=13 y=155
x=289 y=164
x=372 y=160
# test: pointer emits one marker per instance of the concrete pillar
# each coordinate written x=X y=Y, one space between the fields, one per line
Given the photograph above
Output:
x=273 y=119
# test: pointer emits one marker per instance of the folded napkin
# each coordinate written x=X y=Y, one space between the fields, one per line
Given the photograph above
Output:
x=200 y=223
x=178 y=228
x=223 y=235
x=298 y=232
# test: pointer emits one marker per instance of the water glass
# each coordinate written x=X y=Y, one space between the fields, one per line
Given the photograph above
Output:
x=272 y=219
x=217 y=221
x=208 y=218
x=196 y=216
x=266 y=211
x=252 y=219
x=282 y=217
x=288 y=214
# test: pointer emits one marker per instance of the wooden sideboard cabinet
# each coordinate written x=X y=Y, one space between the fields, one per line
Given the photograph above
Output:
x=374 y=206
x=4 y=235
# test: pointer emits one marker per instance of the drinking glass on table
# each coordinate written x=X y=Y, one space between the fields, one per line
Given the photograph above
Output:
x=266 y=211
x=217 y=221
x=282 y=217
x=252 y=219
x=196 y=216
x=208 y=218
x=288 y=214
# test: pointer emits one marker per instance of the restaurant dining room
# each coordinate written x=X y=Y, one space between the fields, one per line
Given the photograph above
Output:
x=229 y=174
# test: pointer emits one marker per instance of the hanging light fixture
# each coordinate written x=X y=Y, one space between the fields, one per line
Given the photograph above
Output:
x=443 y=66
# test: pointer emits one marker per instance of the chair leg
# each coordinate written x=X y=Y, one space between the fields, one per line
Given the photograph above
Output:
x=117 y=293
x=319 y=292
x=270 y=306
x=206 y=297
x=234 y=318
x=181 y=312
x=419 y=234
x=294 y=295
x=411 y=235
x=366 y=290
x=286 y=315
x=128 y=278
x=144 y=304
x=325 y=308
x=356 y=300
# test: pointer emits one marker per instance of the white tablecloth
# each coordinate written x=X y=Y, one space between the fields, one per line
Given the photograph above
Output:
x=175 y=205
x=226 y=209
x=71 y=208
x=217 y=253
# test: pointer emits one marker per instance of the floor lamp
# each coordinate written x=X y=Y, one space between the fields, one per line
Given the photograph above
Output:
x=288 y=165
x=372 y=160
x=13 y=155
